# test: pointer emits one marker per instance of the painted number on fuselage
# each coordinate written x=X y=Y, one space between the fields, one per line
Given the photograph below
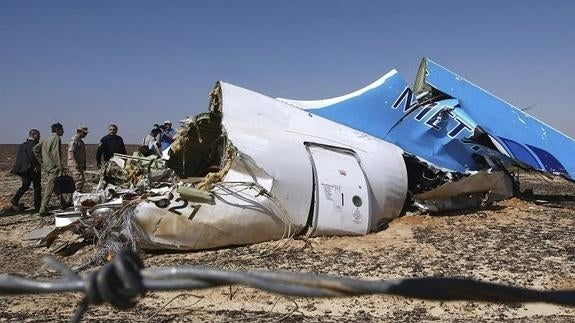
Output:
x=178 y=206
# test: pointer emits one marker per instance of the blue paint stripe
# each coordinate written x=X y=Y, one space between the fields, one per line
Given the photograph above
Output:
x=521 y=153
x=549 y=161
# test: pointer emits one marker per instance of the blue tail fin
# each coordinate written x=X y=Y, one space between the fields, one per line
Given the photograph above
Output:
x=373 y=109
x=520 y=135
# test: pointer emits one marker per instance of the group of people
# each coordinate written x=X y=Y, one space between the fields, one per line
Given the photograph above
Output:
x=35 y=155
x=158 y=140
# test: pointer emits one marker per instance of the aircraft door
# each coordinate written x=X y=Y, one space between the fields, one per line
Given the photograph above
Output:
x=341 y=194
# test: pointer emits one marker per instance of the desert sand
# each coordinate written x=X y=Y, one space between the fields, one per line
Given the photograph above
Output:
x=520 y=242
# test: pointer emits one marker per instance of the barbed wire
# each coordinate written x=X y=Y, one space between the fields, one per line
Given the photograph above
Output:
x=124 y=281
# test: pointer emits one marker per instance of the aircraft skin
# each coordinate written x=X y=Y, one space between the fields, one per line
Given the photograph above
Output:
x=521 y=136
x=382 y=109
x=440 y=129
x=292 y=171
x=332 y=167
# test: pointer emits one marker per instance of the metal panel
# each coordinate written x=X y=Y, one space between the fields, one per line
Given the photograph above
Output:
x=342 y=200
x=524 y=137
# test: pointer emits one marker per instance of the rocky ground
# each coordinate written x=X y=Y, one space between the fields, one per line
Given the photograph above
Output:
x=520 y=242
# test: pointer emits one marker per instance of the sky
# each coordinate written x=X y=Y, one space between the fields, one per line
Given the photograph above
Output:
x=136 y=63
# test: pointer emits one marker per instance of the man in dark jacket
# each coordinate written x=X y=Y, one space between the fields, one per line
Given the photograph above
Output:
x=28 y=168
x=110 y=144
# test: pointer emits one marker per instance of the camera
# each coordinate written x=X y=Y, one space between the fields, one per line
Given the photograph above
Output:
x=161 y=127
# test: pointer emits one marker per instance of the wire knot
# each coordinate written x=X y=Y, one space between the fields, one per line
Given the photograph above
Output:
x=118 y=283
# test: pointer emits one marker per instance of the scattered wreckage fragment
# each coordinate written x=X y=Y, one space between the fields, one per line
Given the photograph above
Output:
x=263 y=171
x=498 y=125
x=255 y=168
x=451 y=130
x=274 y=172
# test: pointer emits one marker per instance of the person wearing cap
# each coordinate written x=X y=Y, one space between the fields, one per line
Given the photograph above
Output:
x=77 y=158
x=28 y=168
x=167 y=136
x=110 y=144
x=48 y=153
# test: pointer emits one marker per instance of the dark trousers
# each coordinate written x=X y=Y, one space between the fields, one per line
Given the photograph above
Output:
x=27 y=179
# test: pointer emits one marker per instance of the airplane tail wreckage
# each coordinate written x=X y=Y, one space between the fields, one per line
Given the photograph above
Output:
x=256 y=168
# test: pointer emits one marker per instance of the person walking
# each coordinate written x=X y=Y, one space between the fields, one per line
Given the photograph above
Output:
x=48 y=153
x=28 y=168
x=110 y=144
x=77 y=158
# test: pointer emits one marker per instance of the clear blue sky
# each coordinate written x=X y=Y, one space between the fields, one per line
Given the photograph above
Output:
x=136 y=63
